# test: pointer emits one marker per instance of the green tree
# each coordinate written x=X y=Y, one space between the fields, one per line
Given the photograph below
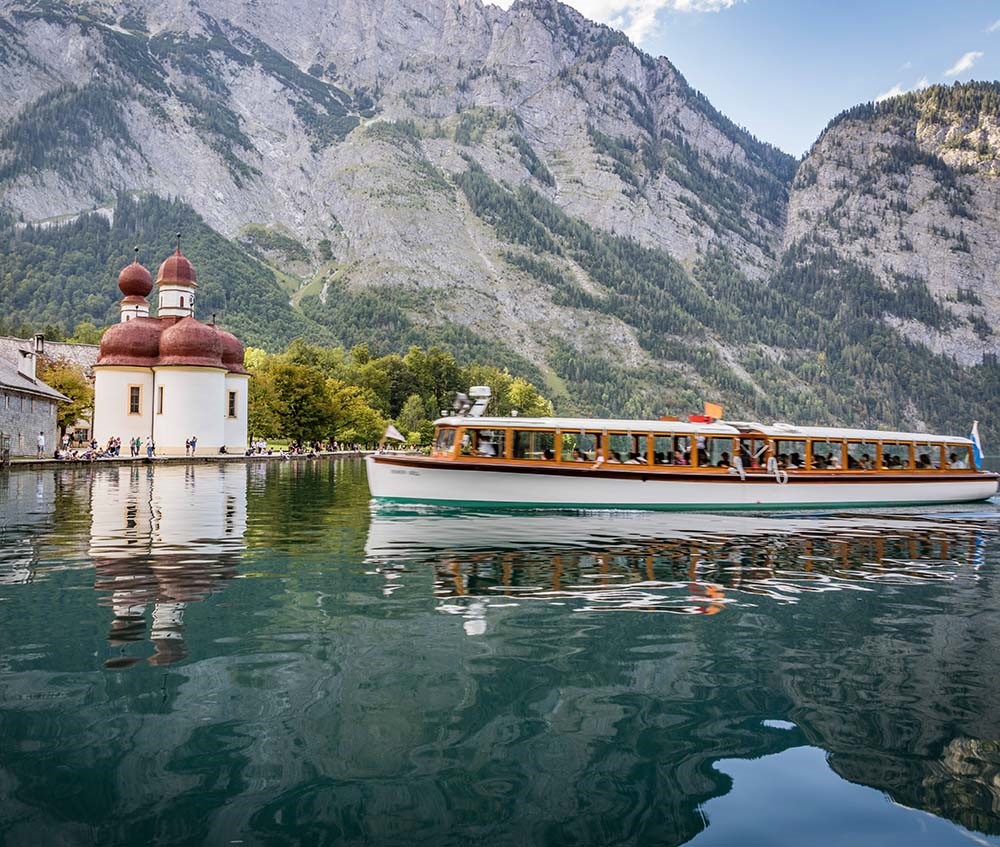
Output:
x=87 y=333
x=68 y=379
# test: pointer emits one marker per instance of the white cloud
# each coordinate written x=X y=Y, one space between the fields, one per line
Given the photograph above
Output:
x=898 y=89
x=993 y=27
x=637 y=18
x=895 y=91
x=964 y=63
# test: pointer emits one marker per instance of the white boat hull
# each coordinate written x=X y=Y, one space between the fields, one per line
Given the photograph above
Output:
x=411 y=481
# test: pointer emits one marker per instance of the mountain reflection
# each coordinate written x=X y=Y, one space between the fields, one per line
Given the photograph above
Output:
x=161 y=541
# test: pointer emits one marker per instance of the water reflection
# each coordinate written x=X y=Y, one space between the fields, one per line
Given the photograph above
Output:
x=160 y=541
x=690 y=564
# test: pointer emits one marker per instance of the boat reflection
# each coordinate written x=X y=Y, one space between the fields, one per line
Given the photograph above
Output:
x=679 y=564
x=161 y=541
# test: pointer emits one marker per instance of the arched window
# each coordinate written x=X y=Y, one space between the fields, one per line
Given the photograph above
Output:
x=182 y=301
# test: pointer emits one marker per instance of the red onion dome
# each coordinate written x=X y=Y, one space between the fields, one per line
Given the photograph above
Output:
x=135 y=280
x=190 y=342
x=176 y=269
x=134 y=343
x=232 y=352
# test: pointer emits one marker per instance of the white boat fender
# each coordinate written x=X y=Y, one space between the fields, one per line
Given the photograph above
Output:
x=780 y=475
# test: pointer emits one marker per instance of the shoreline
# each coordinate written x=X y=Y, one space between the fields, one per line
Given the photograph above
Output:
x=113 y=461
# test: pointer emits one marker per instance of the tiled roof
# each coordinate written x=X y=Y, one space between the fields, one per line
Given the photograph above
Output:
x=81 y=355
x=11 y=379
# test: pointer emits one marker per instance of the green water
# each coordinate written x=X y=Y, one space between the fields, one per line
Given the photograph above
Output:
x=253 y=654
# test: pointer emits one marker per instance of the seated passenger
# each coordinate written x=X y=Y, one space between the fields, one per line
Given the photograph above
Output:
x=782 y=460
x=819 y=461
x=548 y=455
x=579 y=456
x=680 y=458
x=794 y=462
x=865 y=462
x=487 y=449
x=659 y=458
x=616 y=457
x=723 y=460
x=923 y=461
x=955 y=462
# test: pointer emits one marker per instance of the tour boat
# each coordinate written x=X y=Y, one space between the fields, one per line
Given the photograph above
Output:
x=703 y=463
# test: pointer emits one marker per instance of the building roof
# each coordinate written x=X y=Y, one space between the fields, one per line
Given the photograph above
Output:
x=82 y=355
x=12 y=380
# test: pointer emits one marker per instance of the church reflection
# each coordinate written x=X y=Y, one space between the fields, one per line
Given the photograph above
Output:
x=159 y=542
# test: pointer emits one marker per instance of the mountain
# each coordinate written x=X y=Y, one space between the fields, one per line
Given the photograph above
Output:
x=520 y=185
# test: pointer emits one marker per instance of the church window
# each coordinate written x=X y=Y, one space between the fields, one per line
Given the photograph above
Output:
x=159 y=400
x=232 y=404
x=134 y=399
x=182 y=301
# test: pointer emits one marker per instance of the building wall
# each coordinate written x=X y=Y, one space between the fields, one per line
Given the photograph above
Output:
x=236 y=428
x=111 y=404
x=193 y=404
x=22 y=417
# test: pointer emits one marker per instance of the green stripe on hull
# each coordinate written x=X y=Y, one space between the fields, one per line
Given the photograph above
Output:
x=671 y=507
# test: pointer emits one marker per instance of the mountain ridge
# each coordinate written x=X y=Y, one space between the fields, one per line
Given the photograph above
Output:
x=524 y=178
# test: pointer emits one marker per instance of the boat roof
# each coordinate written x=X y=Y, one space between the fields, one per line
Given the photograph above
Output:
x=775 y=430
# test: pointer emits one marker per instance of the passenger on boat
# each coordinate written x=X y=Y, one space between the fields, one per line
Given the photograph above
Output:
x=955 y=462
x=548 y=455
x=723 y=460
x=819 y=461
x=635 y=459
x=579 y=456
x=923 y=461
x=659 y=458
x=794 y=462
x=615 y=457
x=783 y=460
x=487 y=449
x=866 y=462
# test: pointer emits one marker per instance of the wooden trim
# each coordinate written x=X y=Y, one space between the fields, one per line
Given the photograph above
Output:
x=669 y=472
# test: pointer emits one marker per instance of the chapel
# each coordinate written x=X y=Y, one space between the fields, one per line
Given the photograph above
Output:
x=169 y=378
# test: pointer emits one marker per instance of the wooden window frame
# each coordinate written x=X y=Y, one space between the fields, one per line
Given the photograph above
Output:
x=231 y=404
x=128 y=400
x=159 y=399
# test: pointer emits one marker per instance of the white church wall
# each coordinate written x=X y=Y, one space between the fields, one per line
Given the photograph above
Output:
x=193 y=400
x=112 y=415
x=236 y=427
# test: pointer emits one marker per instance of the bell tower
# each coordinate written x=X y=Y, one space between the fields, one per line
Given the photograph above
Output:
x=176 y=284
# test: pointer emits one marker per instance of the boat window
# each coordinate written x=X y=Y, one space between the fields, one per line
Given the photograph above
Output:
x=791 y=454
x=580 y=446
x=959 y=457
x=861 y=455
x=627 y=448
x=488 y=443
x=928 y=456
x=753 y=452
x=445 y=440
x=534 y=444
x=827 y=455
x=663 y=450
x=715 y=452
x=895 y=456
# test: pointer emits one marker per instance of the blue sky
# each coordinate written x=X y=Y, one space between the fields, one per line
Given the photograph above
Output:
x=784 y=68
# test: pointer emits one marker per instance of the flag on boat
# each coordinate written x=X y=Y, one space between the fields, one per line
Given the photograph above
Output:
x=977 y=446
x=393 y=433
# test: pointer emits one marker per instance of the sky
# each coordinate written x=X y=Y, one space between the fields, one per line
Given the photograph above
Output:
x=784 y=68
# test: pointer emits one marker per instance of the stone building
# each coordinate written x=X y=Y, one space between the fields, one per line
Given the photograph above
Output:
x=171 y=377
x=27 y=405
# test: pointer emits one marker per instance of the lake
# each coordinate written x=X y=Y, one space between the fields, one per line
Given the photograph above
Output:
x=253 y=654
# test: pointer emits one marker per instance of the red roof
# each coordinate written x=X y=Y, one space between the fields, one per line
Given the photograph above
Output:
x=177 y=269
x=135 y=280
x=135 y=343
x=190 y=342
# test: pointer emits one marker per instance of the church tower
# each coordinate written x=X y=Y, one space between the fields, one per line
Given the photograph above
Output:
x=176 y=284
x=135 y=283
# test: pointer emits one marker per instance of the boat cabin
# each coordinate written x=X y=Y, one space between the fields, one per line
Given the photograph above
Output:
x=710 y=446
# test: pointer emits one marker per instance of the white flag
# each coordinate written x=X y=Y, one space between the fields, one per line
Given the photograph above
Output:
x=393 y=433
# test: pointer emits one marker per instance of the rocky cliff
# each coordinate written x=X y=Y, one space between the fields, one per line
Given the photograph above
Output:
x=525 y=180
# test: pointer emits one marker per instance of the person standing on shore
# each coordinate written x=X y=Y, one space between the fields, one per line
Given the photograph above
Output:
x=149 y=447
x=41 y=444
x=194 y=443
x=187 y=446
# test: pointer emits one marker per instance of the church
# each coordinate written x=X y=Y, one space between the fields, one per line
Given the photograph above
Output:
x=172 y=377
